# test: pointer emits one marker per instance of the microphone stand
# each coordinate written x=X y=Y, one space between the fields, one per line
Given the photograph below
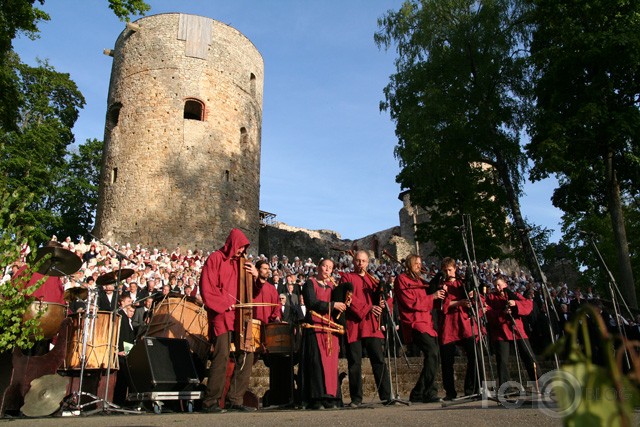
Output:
x=616 y=306
x=546 y=297
x=478 y=344
x=108 y=406
x=391 y=325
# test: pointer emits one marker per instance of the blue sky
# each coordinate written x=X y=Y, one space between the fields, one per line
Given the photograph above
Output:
x=327 y=150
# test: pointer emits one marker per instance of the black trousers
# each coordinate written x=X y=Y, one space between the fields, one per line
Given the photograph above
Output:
x=447 y=356
x=425 y=389
x=378 y=366
x=525 y=352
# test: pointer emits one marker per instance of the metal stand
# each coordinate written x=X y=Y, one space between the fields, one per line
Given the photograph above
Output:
x=546 y=298
x=615 y=292
x=108 y=406
x=480 y=343
x=391 y=326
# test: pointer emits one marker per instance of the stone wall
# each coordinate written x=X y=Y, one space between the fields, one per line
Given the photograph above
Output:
x=168 y=180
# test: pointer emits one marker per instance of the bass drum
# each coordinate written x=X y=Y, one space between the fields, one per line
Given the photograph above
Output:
x=51 y=318
x=182 y=317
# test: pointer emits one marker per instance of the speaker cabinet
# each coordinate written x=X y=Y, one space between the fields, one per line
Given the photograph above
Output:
x=161 y=364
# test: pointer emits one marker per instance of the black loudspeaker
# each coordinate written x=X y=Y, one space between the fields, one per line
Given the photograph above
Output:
x=161 y=364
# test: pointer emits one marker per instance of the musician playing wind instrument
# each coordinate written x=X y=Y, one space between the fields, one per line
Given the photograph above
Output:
x=219 y=290
x=364 y=330
x=319 y=361
x=417 y=319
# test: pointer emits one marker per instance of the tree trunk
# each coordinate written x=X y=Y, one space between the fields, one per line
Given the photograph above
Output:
x=627 y=285
x=521 y=227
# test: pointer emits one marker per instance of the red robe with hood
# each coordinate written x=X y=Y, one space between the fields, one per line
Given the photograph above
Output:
x=219 y=283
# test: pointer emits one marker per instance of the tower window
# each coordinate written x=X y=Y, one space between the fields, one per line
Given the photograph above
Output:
x=113 y=115
x=114 y=175
x=193 y=110
x=252 y=84
x=244 y=136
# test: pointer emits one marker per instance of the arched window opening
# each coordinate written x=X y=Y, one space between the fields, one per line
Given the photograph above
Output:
x=226 y=176
x=193 y=110
x=113 y=115
x=244 y=136
x=252 y=84
x=114 y=175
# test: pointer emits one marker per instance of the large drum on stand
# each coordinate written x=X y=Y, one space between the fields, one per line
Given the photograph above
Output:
x=99 y=350
x=184 y=317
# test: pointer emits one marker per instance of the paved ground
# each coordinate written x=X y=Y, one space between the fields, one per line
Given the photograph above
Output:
x=470 y=413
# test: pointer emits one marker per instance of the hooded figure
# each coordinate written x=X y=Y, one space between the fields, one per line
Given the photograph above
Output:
x=219 y=290
x=219 y=283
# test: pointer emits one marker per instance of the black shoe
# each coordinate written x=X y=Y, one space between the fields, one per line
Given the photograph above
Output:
x=355 y=404
x=448 y=398
x=241 y=408
x=213 y=409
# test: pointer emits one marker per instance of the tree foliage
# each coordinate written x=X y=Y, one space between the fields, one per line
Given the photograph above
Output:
x=586 y=124
x=79 y=189
x=14 y=297
x=32 y=158
x=458 y=99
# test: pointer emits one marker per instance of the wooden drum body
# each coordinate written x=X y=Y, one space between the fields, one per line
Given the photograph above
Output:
x=278 y=338
x=52 y=316
x=182 y=317
x=98 y=348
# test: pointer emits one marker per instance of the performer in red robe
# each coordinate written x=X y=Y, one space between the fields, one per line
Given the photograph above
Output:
x=219 y=290
x=319 y=361
x=364 y=330
x=417 y=319
x=265 y=292
x=456 y=330
x=505 y=310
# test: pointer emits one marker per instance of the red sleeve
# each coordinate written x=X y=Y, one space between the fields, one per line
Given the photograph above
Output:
x=409 y=299
x=525 y=305
x=211 y=289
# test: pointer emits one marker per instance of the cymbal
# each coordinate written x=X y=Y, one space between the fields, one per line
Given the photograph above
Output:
x=112 y=276
x=45 y=395
x=74 y=294
x=61 y=263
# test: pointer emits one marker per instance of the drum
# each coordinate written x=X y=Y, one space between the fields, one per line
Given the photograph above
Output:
x=182 y=317
x=278 y=338
x=98 y=348
x=253 y=345
x=52 y=316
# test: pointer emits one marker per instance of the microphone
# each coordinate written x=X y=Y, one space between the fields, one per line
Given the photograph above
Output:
x=583 y=233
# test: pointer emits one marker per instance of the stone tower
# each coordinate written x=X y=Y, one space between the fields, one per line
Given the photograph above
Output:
x=181 y=162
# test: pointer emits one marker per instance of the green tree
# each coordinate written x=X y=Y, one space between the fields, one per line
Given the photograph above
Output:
x=32 y=158
x=586 y=124
x=79 y=189
x=457 y=98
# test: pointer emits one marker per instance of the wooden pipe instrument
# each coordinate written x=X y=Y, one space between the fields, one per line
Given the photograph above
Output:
x=243 y=338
